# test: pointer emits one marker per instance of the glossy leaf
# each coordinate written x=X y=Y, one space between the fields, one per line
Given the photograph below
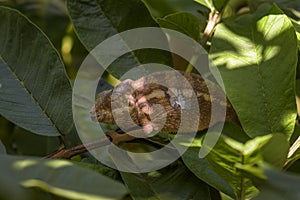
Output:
x=255 y=53
x=174 y=182
x=183 y=22
x=96 y=20
x=21 y=177
x=34 y=90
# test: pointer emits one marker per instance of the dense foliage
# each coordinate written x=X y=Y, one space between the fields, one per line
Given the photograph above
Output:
x=254 y=44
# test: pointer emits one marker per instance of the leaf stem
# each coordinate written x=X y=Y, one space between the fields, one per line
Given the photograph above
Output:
x=213 y=20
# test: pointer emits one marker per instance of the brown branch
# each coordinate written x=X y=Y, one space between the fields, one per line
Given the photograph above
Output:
x=213 y=20
x=69 y=153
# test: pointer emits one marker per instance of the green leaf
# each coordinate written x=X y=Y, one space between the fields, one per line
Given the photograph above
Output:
x=174 y=182
x=27 y=143
x=50 y=16
x=183 y=22
x=257 y=55
x=278 y=186
x=203 y=169
x=276 y=151
x=21 y=177
x=228 y=154
x=161 y=8
x=34 y=90
x=231 y=158
x=95 y=21
x=213 y=4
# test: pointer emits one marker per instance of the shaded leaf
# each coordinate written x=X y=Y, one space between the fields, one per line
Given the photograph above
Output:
x=34 y=90
x=171 y=183
x=22 y=176
x=161 y=8
x=276 y=151
x=278 y=186
x=50 y=16
x=253 y=53
x=183 y=22
x=2 y=149
x=203 y=169
x=213 y=4
x=27 y=143
x=96 y=20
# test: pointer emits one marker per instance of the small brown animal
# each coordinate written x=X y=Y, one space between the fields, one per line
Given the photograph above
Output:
x=154 y=106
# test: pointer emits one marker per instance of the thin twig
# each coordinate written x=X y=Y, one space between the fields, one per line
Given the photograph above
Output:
x=77 y=150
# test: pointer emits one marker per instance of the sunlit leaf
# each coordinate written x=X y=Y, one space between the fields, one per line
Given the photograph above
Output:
x=257 y=55
x=229 y=156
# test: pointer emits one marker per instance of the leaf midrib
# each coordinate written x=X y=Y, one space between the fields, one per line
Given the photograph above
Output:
x=29 y=93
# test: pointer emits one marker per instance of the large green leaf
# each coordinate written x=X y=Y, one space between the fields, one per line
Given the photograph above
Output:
x=34 y=90
x=203 y=169
x=174 y=182
x=257 y=55
x=224 y=156
x=21 y=177
x=229 y=157
x=97 y=20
